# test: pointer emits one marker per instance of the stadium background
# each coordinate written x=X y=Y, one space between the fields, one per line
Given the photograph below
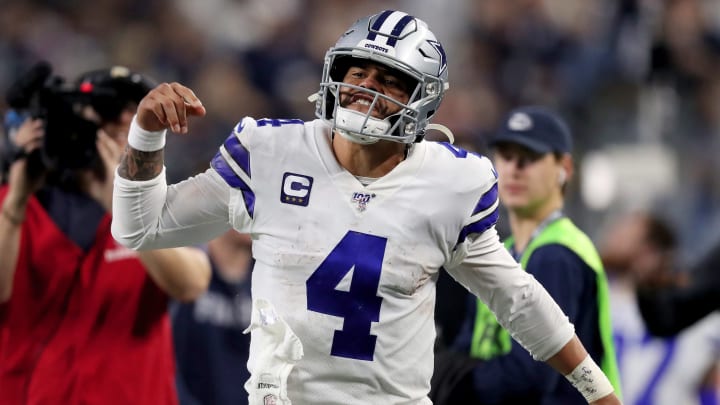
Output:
x=637 y=79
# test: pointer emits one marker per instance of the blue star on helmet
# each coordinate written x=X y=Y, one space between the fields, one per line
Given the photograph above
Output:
x=441 y=52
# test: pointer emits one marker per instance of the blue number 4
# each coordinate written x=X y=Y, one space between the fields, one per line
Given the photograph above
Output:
x=360 y=305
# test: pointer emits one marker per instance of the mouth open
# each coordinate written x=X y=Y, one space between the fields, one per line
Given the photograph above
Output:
x=362 y=103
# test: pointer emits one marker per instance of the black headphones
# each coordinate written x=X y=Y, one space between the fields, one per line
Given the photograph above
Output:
x=111 y=90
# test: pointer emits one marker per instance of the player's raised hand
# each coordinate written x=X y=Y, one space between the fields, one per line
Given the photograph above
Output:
x=168 y=106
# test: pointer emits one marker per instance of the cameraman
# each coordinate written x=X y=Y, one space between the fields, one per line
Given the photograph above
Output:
x=83 y=319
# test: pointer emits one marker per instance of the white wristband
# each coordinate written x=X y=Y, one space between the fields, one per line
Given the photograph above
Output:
x=143 y=140
x=590 y=380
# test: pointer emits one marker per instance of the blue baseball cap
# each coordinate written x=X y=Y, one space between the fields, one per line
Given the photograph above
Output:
x=536 y=128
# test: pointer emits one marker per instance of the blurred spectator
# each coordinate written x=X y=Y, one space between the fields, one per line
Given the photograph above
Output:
x=669 y=308
x=82 y=319
x=638 y=250
x=210 y=347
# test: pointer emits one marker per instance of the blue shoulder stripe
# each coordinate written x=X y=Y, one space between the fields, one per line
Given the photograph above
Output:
x=487 y=199
x=239 y=153
x=479 y=226
x=233 y=180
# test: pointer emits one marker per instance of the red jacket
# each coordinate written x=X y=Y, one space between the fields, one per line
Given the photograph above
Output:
x=82 y=327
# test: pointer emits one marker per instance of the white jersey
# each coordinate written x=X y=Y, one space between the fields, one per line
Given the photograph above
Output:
x=351 y=269
x=661 y=371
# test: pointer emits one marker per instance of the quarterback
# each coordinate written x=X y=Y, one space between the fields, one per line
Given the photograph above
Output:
x=352 y=215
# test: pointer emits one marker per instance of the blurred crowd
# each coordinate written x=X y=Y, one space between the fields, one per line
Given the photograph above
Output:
x=635 y=78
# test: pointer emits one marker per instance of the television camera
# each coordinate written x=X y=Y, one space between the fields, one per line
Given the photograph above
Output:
x=69 y=141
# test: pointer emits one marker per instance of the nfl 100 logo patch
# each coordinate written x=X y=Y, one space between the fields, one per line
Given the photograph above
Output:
x=362 y=200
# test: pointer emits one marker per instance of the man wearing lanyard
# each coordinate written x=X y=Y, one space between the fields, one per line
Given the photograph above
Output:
x=532 y=155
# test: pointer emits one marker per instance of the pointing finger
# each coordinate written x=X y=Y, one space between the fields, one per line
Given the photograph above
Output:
x=191 y=103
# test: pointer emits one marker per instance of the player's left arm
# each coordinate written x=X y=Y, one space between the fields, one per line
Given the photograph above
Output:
x=480 y=262
x=574 y=362
x=528 y=312
x=520 y=303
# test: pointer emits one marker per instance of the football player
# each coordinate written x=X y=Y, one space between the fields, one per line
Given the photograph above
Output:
x=351 y=215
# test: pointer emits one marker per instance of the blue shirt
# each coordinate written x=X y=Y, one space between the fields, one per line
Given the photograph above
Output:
x=210 y=348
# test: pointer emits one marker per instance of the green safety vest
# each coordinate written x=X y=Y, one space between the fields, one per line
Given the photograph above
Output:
x=491 y=340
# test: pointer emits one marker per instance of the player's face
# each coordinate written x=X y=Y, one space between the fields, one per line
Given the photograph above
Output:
x=527 y=180
x=373 y=77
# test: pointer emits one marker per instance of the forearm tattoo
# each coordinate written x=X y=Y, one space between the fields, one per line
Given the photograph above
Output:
x=138 y=165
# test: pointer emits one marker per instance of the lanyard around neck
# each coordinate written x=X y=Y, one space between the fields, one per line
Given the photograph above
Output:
x=554 y=216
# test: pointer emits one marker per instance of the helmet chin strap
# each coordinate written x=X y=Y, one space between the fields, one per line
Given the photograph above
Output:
x=442 y=128
x=351 y=124
x=356 y=138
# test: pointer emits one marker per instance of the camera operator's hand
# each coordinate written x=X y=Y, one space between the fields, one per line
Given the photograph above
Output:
x=23 y=181
x=168 y=106
x=101 y=189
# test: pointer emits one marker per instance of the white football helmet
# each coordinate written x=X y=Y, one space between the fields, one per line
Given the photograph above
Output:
x=402 y=43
